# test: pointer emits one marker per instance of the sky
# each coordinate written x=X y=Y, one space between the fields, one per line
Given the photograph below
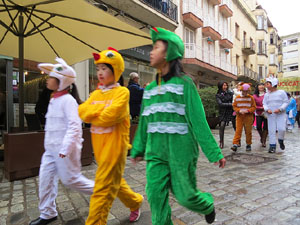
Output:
x=284 y=15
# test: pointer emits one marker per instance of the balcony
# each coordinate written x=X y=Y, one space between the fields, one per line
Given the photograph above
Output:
x=248 y=73
x=153 y=12
x=210 y=28
x=215 y=2
x=167 y=8
x=248 y=47
x=192 y=14
x=226 y=41
x=226 y=8
x=193 y=51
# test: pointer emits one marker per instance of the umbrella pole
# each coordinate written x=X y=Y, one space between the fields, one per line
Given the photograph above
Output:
x=21 y=72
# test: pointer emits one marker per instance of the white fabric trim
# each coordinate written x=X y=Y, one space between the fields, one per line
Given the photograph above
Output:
x=167 y=127
x=163 y=89
x=243 y=99
x=101 y=130
x=243 y=104
x=168 y=107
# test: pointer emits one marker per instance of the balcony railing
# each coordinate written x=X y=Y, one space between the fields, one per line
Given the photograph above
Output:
x=194 y=51
x=228 y=3
x=166 y=7
x=226 y=34
x=248 y=46
x=191 y=6
x=245 y=71
x=210 y=22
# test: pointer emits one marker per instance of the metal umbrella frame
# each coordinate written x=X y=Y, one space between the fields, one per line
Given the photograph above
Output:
x=36 y=19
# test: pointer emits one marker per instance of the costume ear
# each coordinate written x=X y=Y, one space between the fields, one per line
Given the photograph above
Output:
x=62 y=62
x=96 y=56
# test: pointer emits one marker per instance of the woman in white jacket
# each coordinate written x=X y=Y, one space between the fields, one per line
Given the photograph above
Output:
x=63 y=141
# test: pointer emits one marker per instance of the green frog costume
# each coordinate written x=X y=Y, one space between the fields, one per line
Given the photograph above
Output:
x=172 y=124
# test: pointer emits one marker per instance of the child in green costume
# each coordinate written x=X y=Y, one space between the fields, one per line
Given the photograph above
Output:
x=172 y=124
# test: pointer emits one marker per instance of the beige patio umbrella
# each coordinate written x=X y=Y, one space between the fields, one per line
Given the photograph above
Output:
x=40 y=30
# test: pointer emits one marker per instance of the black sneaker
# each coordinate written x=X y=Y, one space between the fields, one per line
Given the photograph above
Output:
x=210 y=218
x=272 y=149
x=234 y=148
x=248 y=148
x=282 y=146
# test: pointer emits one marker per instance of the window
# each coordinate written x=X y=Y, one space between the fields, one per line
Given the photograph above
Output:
x=189 y=39
x=261 y=47
x=292 y=41
x=272 y=39
x=290 y=67
x=280 y=67
x=272 y=59
x=261 y=71
x=237 y=31
x=290 y=54
x=260 y=22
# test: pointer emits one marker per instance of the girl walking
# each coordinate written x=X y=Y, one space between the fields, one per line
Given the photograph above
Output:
x=172 y=124
x=224 y=100
x=107 y=109
x=260 y=114
x=63 y=141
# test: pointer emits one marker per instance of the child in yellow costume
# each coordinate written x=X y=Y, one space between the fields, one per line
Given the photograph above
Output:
x=107 y=109
x=244 y=105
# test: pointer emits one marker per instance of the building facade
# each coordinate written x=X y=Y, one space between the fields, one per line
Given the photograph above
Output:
x=204 y=26
x=244 y=52
x=291 y=56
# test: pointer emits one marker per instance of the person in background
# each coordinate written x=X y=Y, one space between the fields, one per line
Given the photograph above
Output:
x=298 y=110
x=136 y=95
x=244 y=106
x=224 y=100
x=42 y=105
x=291 y=113
x=236 y=91
x=261 y=119
x=275 y=103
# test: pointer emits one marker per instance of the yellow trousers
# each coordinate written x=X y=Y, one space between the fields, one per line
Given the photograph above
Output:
x=243 y=121
x=109 y=183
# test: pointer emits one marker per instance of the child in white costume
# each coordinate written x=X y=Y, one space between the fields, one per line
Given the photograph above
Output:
x=275 y=102
x=63 y=142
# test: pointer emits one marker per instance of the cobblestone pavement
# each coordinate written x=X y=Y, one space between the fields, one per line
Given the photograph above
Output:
x=245 y=193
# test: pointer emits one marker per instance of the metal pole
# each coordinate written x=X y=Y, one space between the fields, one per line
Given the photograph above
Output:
x=9 y=95
x=21 y=72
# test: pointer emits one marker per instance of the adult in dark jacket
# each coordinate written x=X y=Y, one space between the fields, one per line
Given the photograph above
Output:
x=42 y=105
x=136 y=95
x=224 y=100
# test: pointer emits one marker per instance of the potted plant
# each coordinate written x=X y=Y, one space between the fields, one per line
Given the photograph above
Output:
x=208 y=97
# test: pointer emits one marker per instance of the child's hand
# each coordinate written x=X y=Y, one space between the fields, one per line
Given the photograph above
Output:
x=222 y=163
x=269 y=111
x=62 y=155
x=136 y=160
x=277 y=111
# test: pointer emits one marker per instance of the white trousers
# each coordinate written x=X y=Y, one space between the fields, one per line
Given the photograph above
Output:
x=276 y=122
x=68 y=170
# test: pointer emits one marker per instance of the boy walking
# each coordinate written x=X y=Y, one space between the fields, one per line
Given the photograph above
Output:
x=244 y=106
x=275 y=103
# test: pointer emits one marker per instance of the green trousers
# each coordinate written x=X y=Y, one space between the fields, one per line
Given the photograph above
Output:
x=171 y=165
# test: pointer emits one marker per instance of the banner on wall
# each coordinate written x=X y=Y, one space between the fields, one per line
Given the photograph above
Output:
x=289 y=84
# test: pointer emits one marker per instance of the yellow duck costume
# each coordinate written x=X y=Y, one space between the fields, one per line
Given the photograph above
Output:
x=107 y=109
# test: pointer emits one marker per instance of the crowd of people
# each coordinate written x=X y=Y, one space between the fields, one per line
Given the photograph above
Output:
x=272 y=110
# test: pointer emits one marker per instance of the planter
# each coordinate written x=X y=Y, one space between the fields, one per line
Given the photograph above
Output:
x=23 y=152
x=212 y=122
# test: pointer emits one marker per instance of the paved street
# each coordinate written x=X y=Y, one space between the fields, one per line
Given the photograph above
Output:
x=257 y=191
